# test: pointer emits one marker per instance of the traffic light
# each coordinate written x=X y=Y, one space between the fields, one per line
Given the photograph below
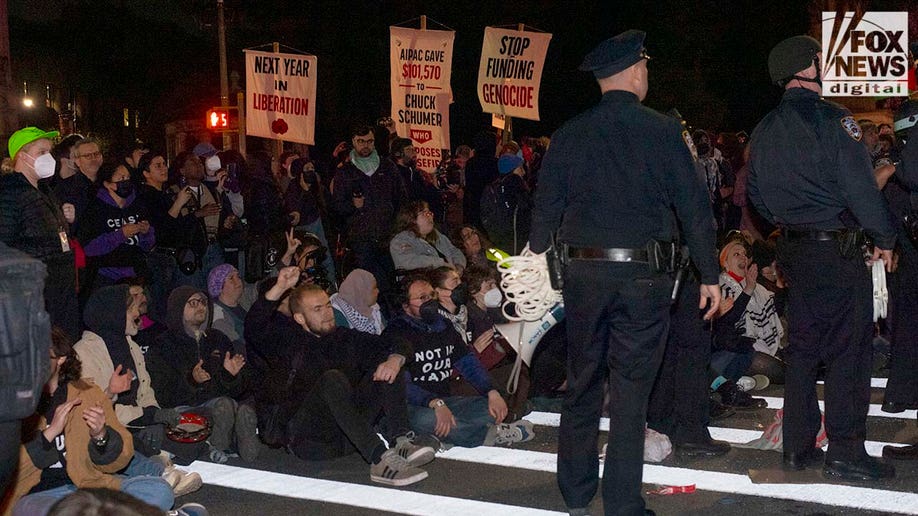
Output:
x=222 y=119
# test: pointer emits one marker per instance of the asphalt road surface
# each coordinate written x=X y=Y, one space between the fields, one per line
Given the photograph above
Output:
x=521 y=480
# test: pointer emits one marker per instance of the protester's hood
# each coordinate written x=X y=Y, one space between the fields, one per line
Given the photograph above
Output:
x=105 y=310
x=175 y=308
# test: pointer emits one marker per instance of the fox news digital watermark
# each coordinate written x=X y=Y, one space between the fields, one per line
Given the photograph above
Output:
x=865 y=54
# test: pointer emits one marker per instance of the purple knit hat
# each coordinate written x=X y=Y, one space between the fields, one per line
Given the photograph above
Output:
x=217 y=278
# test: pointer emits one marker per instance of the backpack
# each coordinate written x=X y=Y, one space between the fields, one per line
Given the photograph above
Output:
x=25 y=335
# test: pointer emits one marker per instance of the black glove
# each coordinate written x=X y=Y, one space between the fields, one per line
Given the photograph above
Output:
x=167 y=416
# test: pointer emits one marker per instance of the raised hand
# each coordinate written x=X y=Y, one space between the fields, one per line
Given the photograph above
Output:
x=199 y=374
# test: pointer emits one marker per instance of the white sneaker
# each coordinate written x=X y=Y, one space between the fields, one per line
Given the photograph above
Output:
x=182 y=482
x=393 y=470
x=506 y=434
x=416 y=455
x=746 y=383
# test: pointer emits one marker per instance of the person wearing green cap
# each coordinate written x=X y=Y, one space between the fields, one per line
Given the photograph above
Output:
x=31 y=220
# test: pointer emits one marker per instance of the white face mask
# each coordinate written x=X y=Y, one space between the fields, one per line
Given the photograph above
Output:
x=44 y=166
x=212 y=164
x=493 y=297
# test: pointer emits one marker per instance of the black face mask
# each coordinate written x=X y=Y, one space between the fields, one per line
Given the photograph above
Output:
x=125 y=188
x=703 y=149
x=460 y=295
x=430 y=311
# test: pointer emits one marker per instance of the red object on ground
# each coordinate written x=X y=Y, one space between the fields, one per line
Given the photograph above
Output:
x=671 y=490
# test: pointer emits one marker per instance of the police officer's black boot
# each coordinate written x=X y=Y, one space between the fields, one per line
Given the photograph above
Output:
x=794 y=461
x=901 y=452
x=864 y=468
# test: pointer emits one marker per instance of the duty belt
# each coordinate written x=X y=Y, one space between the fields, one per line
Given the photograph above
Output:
x=614 y=254
x=815 y=234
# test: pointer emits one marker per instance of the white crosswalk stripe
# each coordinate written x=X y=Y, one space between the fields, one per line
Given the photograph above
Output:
x=731 y=435
x=410 y=502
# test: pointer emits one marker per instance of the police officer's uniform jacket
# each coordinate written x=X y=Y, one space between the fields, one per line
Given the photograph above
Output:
x=611 y=178
x=808 y=166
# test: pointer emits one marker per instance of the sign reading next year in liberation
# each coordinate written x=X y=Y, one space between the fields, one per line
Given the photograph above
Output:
x=511 y=71
x=421 y=65
x=280 y=96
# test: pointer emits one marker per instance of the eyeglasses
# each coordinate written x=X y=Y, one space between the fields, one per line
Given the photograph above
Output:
x=426 y=212
x=423 y=298
x=644 y=54
x=361 y=141
x=196 y=302
x=91 y=155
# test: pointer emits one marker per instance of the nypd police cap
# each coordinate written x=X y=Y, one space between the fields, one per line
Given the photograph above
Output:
x=791 y=56
x=615 y=54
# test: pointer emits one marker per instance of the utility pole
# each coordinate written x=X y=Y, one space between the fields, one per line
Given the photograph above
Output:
x=8 y=118
x=224 y=80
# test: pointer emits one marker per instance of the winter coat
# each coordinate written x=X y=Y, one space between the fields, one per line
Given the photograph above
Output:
x=86 y=466
x=410 y=252
x=175 y=353
x=31 y=219
x=383 y=195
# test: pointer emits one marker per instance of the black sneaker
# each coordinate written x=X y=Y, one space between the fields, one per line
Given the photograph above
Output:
x=732 y=396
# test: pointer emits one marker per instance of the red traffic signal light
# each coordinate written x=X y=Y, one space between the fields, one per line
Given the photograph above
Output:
x=221 y=119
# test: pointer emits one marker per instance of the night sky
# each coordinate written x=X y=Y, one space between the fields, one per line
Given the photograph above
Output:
x=160 y=56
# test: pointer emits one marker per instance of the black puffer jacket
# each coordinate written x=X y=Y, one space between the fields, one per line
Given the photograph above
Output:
x=31 y=219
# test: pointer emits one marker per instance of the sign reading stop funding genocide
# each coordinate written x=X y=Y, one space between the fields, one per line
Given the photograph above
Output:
x=865 y=55
x=511 y=71
x=280 y=96
x=421 y=66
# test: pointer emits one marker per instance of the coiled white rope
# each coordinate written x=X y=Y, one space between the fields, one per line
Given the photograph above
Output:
x=526 y=286
x=880 y=293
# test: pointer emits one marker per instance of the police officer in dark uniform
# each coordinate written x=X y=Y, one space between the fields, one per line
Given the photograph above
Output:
x=810 y=175
x=607 y=186
x=901 y=190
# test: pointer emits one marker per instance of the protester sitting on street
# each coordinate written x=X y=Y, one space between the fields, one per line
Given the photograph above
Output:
x=110 y=357
x=328 y=387
x=195 y=367
x=735 y=336
x=473 y=244
x=225 y=288
x=436 y=350
x=356 y=305
x=452 y=297
x=148 y=329
x=491 y=348
x=417 y=244
x=82 y=444
x=116 y=232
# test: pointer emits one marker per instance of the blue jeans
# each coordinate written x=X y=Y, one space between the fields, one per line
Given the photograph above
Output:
x=152 y=490
x=140 y=466
x=731 y=365
x=472 y=420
